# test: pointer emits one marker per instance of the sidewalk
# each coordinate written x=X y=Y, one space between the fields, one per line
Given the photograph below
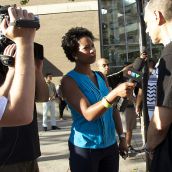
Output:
x=54 y=148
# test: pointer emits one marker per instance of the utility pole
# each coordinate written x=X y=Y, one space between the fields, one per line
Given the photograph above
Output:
x=100 y=28
x=143 y=44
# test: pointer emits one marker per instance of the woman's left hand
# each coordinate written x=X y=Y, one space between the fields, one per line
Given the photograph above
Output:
x=123 y=150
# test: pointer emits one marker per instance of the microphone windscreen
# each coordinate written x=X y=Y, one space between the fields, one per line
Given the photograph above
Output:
x=138 y=64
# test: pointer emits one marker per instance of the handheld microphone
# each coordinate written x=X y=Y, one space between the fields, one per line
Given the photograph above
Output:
x=134 y=76
x=138 y=64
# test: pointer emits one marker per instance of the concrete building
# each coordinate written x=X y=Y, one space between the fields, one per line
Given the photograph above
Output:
x=119 y=32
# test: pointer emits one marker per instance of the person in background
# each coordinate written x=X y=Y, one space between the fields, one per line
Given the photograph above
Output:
x=50 y=104
x=158 y=18
x=151 y=97
x=92 y=143
x=128 y=117
x=151 y=91
x=61 y=102
x=17 y=94
x=115 y=78
x=103 y=66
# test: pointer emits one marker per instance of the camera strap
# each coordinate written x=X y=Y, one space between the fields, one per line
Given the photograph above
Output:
x=26 y=23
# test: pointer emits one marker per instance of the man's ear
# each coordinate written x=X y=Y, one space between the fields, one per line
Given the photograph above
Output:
x=159 y=18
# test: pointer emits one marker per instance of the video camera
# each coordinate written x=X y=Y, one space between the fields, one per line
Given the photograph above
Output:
x=4 y=41
x=9 y=61
x=19 y=22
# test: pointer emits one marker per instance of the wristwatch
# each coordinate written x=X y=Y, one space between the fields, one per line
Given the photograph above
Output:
x=121 y=136
x=150 y=153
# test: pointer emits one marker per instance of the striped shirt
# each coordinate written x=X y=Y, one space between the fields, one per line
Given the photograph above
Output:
x=151 y=92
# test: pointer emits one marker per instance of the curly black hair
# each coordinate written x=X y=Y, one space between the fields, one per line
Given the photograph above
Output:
x=70 y=41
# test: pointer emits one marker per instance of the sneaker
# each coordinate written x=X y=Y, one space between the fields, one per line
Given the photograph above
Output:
x=55 y=128
x=131 y=151
x=45 y=128
x=141 y=149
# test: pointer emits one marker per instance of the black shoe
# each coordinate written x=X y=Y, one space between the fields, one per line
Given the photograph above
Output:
x=141 y=149
x=45 y=128
x=131 y=151
x=55 y=128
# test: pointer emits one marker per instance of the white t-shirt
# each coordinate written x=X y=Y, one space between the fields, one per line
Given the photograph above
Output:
x=3 y=104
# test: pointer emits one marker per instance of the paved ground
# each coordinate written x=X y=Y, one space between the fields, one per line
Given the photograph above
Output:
x=55 y=150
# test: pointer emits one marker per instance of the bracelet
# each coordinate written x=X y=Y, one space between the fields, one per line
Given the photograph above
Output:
x=148 y=151
x=105 y=103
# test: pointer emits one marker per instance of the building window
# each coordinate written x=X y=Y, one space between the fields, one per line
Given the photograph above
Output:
x=119 y=29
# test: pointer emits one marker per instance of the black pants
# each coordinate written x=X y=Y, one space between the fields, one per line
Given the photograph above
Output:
x=162 y=159
x=31 y=166
x=62 y=105
x=94 y=160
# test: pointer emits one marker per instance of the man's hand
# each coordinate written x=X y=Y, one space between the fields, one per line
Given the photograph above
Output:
x=150 y=153
x=10 y=50
x=138 y=111
x=16 y=33
x=144 y=56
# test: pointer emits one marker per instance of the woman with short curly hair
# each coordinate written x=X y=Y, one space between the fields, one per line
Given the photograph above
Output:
x=92 y=143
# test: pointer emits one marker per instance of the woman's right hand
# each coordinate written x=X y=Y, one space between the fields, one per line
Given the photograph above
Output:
x=125 y=89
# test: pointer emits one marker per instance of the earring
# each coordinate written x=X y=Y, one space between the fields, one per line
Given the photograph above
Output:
x=76 y=58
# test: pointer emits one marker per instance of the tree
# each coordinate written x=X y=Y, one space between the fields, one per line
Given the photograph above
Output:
x=23 y=2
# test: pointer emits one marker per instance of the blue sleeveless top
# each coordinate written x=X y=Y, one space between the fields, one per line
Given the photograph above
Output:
x=99 y=133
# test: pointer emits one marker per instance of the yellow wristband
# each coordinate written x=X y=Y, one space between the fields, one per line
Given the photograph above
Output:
x=105 y=103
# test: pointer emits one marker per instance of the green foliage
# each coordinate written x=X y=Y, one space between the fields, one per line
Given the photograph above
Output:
x=23 y=2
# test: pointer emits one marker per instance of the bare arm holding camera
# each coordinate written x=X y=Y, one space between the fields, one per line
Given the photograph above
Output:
x=21 y=92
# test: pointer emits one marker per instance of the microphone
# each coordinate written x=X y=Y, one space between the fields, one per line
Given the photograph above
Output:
x=135 y=76
x=138 y=64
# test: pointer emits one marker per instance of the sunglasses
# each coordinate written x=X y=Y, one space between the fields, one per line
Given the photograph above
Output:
x=7 y=60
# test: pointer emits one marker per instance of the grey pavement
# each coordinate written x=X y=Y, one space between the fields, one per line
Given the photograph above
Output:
x=55 y=154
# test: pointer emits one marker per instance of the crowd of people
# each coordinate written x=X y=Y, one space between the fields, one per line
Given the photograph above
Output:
x=93 y=145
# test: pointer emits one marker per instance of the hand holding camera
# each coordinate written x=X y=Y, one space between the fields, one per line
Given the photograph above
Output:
x=9 y=55
x=16 y=33
x=17 y=25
